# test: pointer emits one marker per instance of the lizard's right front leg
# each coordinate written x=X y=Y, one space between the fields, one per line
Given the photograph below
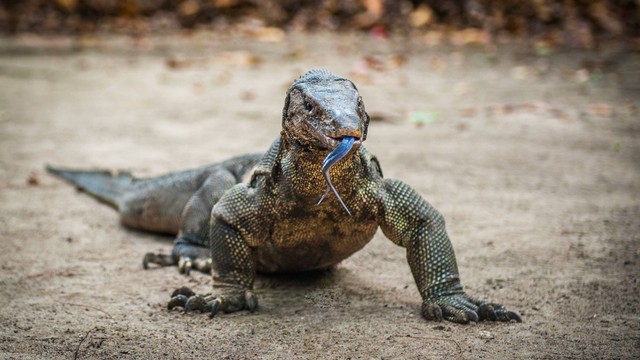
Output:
x=233 y=272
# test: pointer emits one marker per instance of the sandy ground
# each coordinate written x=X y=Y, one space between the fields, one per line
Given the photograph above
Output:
x=534 y=163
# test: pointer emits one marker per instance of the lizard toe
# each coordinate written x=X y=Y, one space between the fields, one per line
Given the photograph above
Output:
x=250 y=301
x=177 y=301
x=454 y=314
x=227 y=302
x=185 y=265
x=186 y=291
x=215 y=306
x=461 y=308
x=432 y=311
x=497 y=312
x=158 y=259
x=196 y=302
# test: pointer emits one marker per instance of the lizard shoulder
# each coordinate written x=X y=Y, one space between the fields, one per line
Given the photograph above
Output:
x=267 y=164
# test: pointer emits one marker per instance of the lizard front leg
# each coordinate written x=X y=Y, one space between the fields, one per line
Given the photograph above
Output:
x=233 y=265
x=408 y=220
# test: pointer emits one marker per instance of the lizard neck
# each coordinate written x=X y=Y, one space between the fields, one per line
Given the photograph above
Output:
x=302 y=168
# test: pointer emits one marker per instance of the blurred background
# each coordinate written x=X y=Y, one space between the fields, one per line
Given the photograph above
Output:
x=579 y=23
x=517 y=119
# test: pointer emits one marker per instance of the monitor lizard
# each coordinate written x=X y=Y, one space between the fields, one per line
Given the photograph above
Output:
x=269 y=212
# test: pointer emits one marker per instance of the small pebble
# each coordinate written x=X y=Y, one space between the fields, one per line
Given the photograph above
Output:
x=485 y=335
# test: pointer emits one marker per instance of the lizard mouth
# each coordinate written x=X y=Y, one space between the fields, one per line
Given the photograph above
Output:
x=333 y=142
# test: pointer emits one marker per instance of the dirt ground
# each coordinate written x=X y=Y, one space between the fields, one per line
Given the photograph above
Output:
x=534 y=162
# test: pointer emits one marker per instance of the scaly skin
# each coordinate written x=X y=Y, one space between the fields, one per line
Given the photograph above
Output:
x=272 y=223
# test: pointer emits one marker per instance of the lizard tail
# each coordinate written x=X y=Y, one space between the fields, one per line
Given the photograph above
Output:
x=104 y=185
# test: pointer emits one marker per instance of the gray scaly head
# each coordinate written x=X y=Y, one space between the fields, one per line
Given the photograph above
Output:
x=325 y=111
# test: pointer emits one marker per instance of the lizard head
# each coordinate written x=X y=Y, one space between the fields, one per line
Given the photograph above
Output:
x=321 y=109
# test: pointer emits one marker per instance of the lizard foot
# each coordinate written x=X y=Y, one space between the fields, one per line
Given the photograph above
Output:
x=229 y=301
x=186 y=256
x=462 y=308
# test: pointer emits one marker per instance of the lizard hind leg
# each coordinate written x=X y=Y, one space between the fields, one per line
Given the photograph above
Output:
x=186 y=256
x=191 y=249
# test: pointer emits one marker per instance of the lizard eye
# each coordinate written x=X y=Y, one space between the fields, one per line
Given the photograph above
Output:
x=308 y=107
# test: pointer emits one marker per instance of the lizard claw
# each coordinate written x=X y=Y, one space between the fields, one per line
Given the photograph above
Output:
x=158 y=259
x=178 y=300
x=497 y=312
x=230 y=301
x=185 y=265
x=250 y=301
x=196 y=303
x=215 y=305
x=186 y=256
x=461 y=308
x=179 y=297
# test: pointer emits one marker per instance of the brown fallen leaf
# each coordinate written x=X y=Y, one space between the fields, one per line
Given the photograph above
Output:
x=499 y=109
x=396 y=60
x=377 y=116
x=67 y=5
x=175 y=63
x=421 y=16
x=247 y=95
x=468 y=111
x=601 y=109
x=239 y=58
x=438 y=64
x=33 y=179
x=268 y=34
x=470 y=36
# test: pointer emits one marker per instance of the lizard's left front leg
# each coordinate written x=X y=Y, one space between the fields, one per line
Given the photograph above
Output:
x=233 y=272
x=233 y=265
x=408 y=220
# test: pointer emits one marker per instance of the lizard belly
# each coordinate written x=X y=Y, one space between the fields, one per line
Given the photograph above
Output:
x=306 y=243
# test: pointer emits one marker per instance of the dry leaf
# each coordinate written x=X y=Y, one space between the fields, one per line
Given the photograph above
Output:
x=223 y=4
x=374 y=7
x=437 y=64
x=268 y=34
x=520 y=72
x=175 y=63
x=421 y=16
x=189 y=8
x=248 y=95
x=500 y=109
x=377 y=116
x=396 y=60
x=468 y=112
x=374 y=63
x=239 y=58
x=33 y=179
x=601 y=110
x=67 y=5
x=470 y=36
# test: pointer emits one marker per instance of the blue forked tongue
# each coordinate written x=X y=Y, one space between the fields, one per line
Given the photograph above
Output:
x=338 y=153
